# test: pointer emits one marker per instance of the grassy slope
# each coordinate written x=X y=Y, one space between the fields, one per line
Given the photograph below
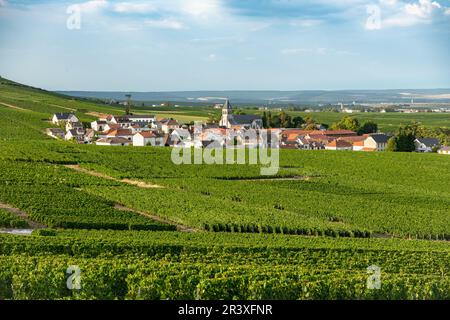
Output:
x=394 y=193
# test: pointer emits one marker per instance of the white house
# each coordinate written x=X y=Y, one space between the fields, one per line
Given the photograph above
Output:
x=59 y=118
x=376 y=142
x=76 y=135
x=145 y=138
x=144 y=119
x=74 y=125
x=167 y=125
x=444 y=150
x=98 y=125
x=426 y=144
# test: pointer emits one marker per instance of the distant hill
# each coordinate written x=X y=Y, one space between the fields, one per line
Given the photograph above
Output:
x=280 y=97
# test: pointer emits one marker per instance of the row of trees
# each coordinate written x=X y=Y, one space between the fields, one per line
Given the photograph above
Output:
x=353 y=124
x=284 y=120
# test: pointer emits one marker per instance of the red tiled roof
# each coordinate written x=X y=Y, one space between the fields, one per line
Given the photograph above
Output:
x=147 y=134
x=119 y=132
x=339 y=144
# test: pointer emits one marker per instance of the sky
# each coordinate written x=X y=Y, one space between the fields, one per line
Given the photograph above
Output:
x=174 y=45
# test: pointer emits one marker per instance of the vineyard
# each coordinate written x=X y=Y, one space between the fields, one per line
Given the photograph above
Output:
x=310 y=232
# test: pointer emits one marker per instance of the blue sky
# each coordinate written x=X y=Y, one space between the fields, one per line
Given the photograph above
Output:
x=168 y=45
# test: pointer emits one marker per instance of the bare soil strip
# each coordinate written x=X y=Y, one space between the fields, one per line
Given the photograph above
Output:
x=23 y=215
x=180 y=227
x=13 y=107
x=137 y=183
x=96 y=114
x=67 y=108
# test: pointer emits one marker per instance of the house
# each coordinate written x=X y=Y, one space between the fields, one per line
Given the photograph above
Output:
x=127 y=120
x=60 y=118
x=74 y=125
x=375 y=142
x=111 y=126
x=182 y=138
x=122 y=121
x=118 y=133
x=167 y=125
x=145 y=138
x=99 y=125
x=75 y=135
x=89 y=135
x=230 y=120
x=143 y=119
x=444 y=150
x=426 y=144
x=339 y=145
x=307 y=144
x=113 y=142
x=55 y=133
x=358 y=145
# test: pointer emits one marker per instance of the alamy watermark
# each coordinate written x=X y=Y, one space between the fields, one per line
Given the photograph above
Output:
x=74 y=279
x=374 y=278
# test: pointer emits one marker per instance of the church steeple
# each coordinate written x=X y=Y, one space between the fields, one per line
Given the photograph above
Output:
x=227 y=114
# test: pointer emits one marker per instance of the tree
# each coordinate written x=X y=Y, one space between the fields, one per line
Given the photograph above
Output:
x=368 y=127
x=275 y=121
x=264 y=120
x=392 y=144
x=346 y=123
x=214 y=118
x=285 y=120
x=297 y=122
x=269 y=120
x=405 y=138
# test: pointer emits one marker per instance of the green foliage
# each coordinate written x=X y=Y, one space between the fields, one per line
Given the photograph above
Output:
x=368 y=127
x=347 y=123
x=10 y=220
x=392 y=144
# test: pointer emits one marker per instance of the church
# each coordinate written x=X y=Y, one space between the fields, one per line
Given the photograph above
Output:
x=235 y=121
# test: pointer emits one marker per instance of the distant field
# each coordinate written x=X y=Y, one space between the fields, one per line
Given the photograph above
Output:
x=386 y=121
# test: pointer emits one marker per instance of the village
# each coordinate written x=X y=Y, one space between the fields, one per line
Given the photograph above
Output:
x=236 y=130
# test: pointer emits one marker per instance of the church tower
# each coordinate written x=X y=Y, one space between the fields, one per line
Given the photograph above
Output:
x=227 y=115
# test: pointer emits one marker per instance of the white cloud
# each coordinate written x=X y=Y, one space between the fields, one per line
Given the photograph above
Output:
x=306 y=23
x=422 y=9
x=447 y=12
x=165 y=24
x=131 y=7
x=395 y=13
x=320 y=51
x=3 y=3
x=202 y=8
x=93 y=6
